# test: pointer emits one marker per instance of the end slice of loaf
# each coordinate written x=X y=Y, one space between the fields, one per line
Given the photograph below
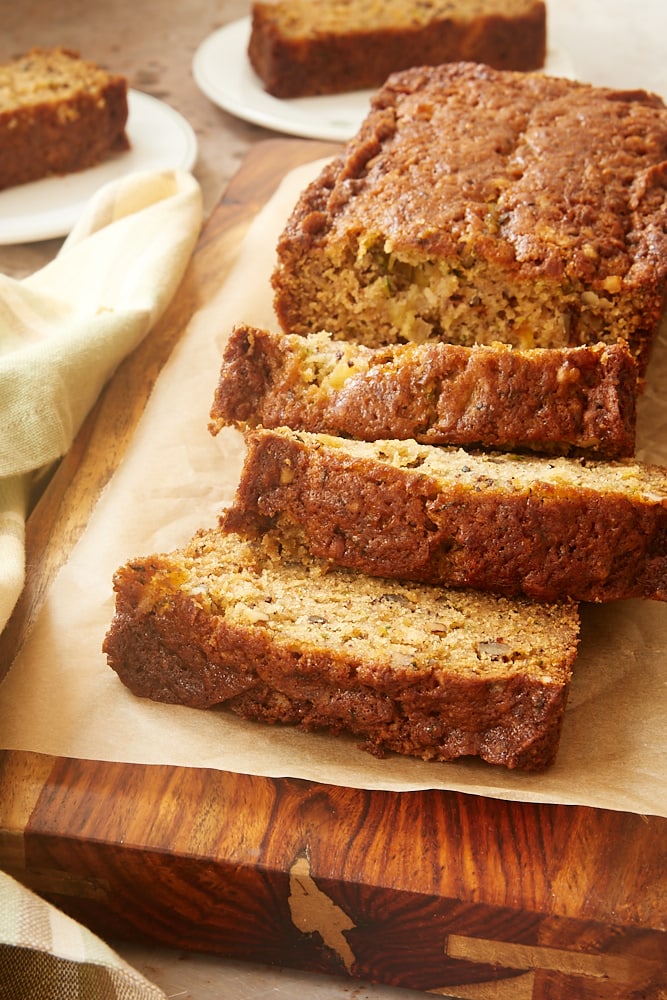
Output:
x=475 y=206
x=58 y=114
x=300 y=49
x=546 y=528
x=280 y=637
x=572 y=400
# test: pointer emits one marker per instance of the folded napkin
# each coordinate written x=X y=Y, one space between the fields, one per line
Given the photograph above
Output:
x=46 y=955
x=64 y=330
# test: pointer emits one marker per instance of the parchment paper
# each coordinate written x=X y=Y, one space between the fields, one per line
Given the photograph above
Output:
x=61 y=698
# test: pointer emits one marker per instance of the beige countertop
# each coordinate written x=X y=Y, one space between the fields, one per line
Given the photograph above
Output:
x=612 y=42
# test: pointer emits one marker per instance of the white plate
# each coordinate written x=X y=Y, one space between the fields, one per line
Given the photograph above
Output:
x=160 y=139
x=222 y=71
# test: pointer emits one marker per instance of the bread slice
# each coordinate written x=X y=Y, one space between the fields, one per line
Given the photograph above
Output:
x=546 y=528
x=280 y=637
x=58 y=114
x=300 y=49
x=577 y=400
x=475 y=206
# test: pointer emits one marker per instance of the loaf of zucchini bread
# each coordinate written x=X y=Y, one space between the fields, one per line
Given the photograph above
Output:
x=278 y=636
x=299 y=48
x=567 y=400
x=476 y=205
x=546 y=528
x=58 y=114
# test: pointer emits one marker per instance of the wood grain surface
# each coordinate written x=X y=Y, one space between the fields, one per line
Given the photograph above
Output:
x=443 y=892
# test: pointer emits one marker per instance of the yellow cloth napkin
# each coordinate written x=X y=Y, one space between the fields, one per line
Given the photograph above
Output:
x=45 y=955
x=64 y=329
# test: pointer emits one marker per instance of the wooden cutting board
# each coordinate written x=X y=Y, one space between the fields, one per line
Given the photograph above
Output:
x=453 y=894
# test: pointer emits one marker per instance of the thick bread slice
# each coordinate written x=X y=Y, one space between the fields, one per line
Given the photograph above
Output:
x=579 y=400
x=280 y=637
x=299 y=48
x=547 y=528
x=58 y=114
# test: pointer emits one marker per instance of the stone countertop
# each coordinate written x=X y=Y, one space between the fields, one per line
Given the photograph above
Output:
x=612 y=42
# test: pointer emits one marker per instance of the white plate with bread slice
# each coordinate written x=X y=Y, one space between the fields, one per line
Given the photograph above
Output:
x=160 y=139
x=222 y=71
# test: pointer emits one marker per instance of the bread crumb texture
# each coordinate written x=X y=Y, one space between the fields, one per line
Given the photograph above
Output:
x=545 y=528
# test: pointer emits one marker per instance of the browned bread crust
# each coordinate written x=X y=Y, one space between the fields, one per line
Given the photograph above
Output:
x=546 y=528
x=301 y=49
x=58 y=114
x=572 y=400
x=405 y=668
x=475 y=206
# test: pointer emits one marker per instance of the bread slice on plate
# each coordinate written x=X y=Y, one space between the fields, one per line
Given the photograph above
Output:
x=303 y=49
x=58 y=114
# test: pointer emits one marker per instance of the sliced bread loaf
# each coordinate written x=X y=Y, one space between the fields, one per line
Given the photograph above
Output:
x=475 y=205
